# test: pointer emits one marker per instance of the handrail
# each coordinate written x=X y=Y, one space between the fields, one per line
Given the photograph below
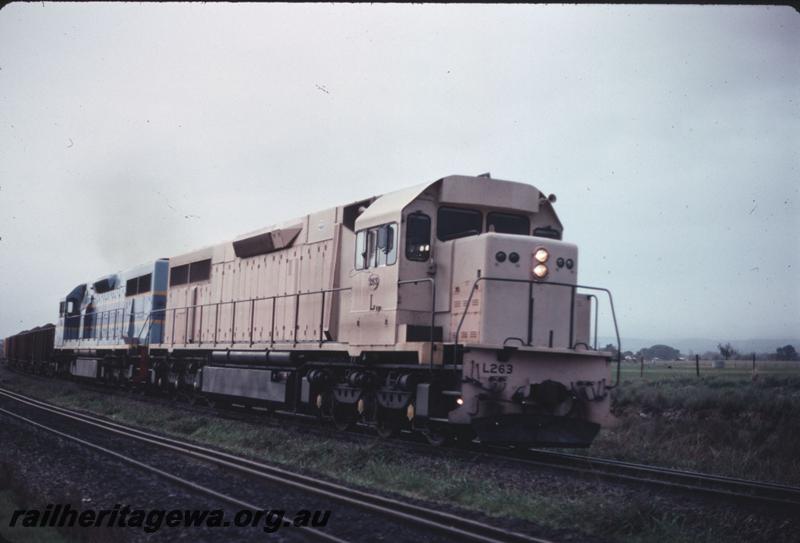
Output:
x=253 y=301
x=596 y=310
x=99 y=325
x=139 y=336
x=554 y=283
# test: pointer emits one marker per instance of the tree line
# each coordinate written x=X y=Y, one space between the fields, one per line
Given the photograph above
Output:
x=725 y=351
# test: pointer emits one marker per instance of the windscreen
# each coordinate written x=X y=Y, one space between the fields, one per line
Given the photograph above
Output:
x=508 y=223
x=456 y=222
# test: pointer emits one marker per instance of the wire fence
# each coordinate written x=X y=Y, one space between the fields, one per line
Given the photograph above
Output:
x=704 y=367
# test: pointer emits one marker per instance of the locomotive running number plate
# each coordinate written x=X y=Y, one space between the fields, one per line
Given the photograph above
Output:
x=496 y=368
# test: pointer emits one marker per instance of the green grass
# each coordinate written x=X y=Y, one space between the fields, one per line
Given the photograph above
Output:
x=724 y=422
x=653 y=416
x=733 y=368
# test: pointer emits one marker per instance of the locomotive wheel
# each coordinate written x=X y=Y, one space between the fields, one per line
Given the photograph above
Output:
x=386 y=430
x=464 y=436
x=386 y=425
x=437 y=437
x=343 y=418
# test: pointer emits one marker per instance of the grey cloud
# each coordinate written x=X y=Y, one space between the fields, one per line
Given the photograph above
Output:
x=657 y=126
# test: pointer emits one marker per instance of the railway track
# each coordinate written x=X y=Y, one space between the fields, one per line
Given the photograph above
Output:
x=731 y=488
x=443 y=524
x=315 y=535
x=714 y=485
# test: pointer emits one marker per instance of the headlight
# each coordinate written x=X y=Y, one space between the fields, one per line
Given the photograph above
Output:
x=540 y=271
x=541 y=255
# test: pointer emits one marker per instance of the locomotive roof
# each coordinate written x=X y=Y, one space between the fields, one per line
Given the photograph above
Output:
x=454 y=189
x=387 y=206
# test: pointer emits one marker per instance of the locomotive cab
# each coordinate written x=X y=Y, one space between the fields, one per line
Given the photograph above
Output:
x=507 y=312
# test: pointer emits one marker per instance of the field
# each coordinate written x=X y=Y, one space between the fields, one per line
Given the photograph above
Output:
x=733 y=369
x=729 y=421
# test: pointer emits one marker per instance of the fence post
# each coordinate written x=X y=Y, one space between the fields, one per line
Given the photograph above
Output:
x=754 y=363
x=641 y=366
x=697 y=364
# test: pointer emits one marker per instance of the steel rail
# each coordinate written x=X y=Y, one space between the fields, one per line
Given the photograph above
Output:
x=161 y=473
x=718 y=485
x=763 y=491
x=444 y=523
x=781 y=493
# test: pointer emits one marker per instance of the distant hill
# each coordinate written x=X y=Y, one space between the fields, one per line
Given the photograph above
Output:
x=701 y=345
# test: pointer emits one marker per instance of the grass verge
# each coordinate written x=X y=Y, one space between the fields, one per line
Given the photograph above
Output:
x=554 y=502
x=727 y=424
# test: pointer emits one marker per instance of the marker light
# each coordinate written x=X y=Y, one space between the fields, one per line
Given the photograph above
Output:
x=541 y=255
x=540 y=271
x=460 y=401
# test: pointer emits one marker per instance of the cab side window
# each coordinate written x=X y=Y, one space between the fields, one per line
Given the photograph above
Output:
x=376 y=247
x=371 y=246
x=386 y=243
x=391 y=240
x=418 y=237
x=361 y=250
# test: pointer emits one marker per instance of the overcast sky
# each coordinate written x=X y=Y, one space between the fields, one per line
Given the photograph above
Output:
x=671 y=136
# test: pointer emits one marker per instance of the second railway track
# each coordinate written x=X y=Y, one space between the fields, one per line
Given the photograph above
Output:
x=447 y=525
x=731 y=488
